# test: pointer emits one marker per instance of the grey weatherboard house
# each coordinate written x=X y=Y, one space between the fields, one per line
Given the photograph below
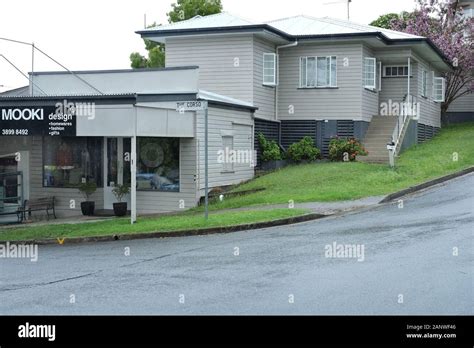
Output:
x=319 y=77
x=288 y=78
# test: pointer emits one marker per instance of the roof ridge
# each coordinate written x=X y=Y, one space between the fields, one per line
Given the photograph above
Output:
x=198 y=17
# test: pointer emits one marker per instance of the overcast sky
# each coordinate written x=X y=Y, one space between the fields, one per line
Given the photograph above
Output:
x=99 y=34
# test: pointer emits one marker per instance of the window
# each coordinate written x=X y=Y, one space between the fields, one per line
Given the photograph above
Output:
x=369 y=73
x=318 y=72
x=158 y=164
x=424 y=83
x=228 y=147
x=270 y=69
x=395 y=71
x=439 y=89
x=68 y=161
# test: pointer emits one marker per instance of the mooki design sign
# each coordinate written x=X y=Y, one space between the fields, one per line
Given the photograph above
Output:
x=52 y=120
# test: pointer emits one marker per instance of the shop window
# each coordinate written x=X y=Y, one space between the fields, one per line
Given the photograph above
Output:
x=158 y=164
x=69 y=161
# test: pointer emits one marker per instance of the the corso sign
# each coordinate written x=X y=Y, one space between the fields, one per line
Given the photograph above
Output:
x=44 y=120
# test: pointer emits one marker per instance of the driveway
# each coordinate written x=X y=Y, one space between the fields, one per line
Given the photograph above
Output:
x=417 y=259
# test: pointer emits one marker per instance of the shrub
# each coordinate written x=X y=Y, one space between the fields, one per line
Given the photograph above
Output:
x=87 y=189
x=304 y=150
x=120 y=190
x=339 y=146
x=270 y=149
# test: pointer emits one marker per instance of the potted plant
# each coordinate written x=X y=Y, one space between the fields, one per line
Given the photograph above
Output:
x=87 y=189
x=272 y=157
x=120 y=208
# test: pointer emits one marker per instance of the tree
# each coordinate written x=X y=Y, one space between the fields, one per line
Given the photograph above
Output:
x=186 y=9
x=444 y=24
x=385 y=21
x=182 y=10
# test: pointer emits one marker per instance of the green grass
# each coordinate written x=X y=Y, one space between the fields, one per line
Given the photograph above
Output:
x=157 y=224
x=326 y=182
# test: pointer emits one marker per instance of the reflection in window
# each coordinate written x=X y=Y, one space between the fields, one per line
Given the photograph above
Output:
x=158 y=164
x=68 y=161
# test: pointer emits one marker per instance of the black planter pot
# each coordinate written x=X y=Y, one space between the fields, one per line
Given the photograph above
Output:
x=87 y=208
x=273 y=165
x=120 y=209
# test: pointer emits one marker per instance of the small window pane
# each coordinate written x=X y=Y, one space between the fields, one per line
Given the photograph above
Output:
x=394 y=71
x=323 y=72
x=388 y=71
x=303 y=72
x=333 y=72
x=311 y=72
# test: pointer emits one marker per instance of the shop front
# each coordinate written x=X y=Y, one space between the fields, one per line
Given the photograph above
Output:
x=57 y=142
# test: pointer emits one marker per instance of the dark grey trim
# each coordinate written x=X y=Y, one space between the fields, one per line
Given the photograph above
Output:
x=215 y=30
x=88 y=72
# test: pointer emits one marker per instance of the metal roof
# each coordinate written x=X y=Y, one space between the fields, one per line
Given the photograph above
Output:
x=303 y=25
x=223 y=19
x=17 y=92
x=131 y=97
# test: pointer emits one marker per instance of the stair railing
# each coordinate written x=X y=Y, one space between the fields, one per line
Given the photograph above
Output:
x=409 y=109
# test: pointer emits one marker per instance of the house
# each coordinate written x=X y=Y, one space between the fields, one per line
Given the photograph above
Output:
x=289 y=78
x=317 y=77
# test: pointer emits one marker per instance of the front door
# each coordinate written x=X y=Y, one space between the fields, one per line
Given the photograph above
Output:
x=116 y=168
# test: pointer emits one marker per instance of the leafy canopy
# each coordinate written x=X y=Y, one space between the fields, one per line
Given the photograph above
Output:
x=181 y=10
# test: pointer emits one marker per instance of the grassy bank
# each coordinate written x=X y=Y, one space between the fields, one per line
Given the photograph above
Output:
x=185 y=221
x=326 y=182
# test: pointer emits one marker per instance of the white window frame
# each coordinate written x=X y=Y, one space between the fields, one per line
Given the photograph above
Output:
x=424 y=83
x=442 y=80
x=396 y=66
x=273 y=77
x=329 y=63
x=379 y=80
x=371 y=86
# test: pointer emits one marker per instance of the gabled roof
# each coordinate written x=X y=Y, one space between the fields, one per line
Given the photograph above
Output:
x=303 y=25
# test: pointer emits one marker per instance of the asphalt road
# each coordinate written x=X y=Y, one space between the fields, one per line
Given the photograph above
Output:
x=284 y=270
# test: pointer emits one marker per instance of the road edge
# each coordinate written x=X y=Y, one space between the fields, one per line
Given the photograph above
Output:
x=173 y=234
x=426 y=184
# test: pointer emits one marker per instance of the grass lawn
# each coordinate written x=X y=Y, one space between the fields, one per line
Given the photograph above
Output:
x=326 y=182
x=165 y=223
